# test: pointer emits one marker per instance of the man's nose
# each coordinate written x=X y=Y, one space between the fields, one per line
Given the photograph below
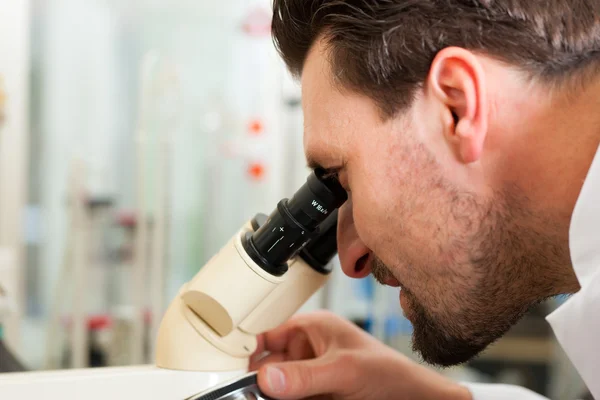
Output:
x=354 y=255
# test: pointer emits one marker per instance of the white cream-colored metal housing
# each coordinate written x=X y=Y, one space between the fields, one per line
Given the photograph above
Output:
x=199 y=331
x=301 y=282
x=213 y=322
x=226 y=290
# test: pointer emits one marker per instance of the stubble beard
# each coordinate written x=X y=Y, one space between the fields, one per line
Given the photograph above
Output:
x=506 y=260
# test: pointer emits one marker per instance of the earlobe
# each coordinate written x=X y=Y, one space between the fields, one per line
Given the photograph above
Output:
x=457 y=82
x=469 y=141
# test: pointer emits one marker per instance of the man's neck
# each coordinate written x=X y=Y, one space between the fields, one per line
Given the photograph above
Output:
x=577 y=139
x=550 y=159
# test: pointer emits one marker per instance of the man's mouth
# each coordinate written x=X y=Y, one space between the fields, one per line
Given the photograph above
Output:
x=391 y=281
x=381 y=272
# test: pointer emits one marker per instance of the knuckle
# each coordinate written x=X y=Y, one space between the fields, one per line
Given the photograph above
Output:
x=314 y=318
x=348 y=360
x=325 y=319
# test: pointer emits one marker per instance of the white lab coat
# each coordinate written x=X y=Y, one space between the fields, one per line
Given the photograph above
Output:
x=576 y=323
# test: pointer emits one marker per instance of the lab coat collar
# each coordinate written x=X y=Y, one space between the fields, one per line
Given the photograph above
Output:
x=576 y=323
x=584 y=234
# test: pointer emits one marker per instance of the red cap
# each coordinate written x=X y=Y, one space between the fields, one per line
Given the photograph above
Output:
x=127 y=219
x=99 y=322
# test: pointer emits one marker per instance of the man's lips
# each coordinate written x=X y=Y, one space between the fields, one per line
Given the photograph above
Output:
x=387 y=278
x=391 y=281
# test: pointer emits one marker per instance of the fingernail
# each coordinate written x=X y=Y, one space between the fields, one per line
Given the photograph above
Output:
x=276 y=379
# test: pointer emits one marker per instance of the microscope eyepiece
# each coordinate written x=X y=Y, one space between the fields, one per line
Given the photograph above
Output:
x=294 y=222
x=323 y=246
x=316 y=199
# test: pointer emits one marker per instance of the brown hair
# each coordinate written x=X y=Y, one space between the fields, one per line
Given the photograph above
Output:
x=384 y=48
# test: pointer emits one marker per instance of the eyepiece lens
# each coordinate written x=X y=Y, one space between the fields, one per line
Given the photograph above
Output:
x=323 y=246
x=291 y=225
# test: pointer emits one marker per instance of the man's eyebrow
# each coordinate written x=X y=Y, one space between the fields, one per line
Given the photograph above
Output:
x=312 y=163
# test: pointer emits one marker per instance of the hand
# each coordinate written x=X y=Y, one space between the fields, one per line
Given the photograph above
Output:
x=326 y=356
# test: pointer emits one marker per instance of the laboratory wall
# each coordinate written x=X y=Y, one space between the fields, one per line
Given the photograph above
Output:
x=14 y=136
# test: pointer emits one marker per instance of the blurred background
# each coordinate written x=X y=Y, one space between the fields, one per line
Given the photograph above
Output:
x=136 y=137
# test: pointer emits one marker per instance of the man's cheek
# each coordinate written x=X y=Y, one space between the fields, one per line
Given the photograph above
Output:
x=369 y=220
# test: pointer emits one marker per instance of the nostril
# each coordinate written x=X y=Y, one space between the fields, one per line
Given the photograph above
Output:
x=361 y=263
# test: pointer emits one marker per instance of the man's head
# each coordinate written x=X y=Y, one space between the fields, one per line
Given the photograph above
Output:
x=460 y=129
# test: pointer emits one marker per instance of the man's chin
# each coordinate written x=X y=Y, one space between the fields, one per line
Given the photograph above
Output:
x=435 y=344
x=404 y=304
x=444 y=353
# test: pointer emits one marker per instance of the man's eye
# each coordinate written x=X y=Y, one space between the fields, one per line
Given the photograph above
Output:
x=332 y=174
x=335 y=174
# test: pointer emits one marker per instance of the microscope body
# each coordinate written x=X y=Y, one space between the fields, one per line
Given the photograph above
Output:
x=212 y=323
x=260 y=278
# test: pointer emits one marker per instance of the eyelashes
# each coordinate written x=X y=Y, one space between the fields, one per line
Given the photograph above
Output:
x=335 y=174
x=332 y=174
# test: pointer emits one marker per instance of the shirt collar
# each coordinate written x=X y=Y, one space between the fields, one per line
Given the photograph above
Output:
x=584 y=232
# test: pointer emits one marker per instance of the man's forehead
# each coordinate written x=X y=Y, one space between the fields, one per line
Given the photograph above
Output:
x=327 y=132
x=317 y=159
x=329 y=118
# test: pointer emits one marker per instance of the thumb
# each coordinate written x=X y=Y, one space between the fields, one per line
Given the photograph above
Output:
x=299 y=379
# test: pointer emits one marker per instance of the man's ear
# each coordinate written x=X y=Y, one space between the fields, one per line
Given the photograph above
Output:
x=457 y=80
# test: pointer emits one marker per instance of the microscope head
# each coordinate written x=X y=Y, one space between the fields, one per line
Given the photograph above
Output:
x=294 y=223
x=261 y=277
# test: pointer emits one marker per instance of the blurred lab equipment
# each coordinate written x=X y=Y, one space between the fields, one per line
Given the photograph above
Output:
x=2 y=101
x=14 y=134
x=88 y=213
x=79 y=291
x=8 y=361
x=261 y=277
x=159 y=104
x=173 y=129
x=8 y=307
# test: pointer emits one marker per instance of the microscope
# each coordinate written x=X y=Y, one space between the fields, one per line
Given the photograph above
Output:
x=260 y=278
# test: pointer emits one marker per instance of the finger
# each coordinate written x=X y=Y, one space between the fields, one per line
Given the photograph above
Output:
x=260 y=344
x=270 y=359
x=260 y=351
x=276 y=340
x=300 y=379
x=298 y=348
